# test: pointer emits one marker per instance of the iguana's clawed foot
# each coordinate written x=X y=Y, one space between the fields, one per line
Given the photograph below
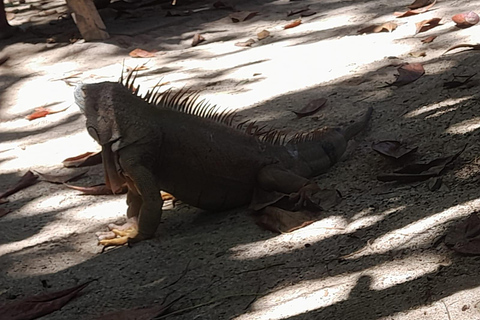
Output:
x=304 y=197
x=118 y=234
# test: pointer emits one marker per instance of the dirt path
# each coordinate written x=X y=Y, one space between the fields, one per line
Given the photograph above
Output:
x=374 y=256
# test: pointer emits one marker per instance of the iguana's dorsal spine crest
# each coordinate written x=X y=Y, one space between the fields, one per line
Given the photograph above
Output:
x=186 y=101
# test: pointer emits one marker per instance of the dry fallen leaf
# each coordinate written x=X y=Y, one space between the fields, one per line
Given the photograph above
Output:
x=293 y=24
x=408 y=73
x=464 y=236
x=140 y=53
x=39 y=305
x=386 y=27
x=414 y=11
x=455 y=83
x=311 y=108
x=426 y=25
x=26 y=180
x=84 y=160
x=263 y=34
x=296 y=11
x=61 y=178
x=101 y=189
x=393 y=149
x=429 y=39
x=247 y=43
x=417 y=54
x=42 y=112
x=308 y=13
x=419 y=3
x=421 y=171
x=469 y=46
x=3 y=59
x=197 y=38
x=466 y=20
x=242 y=15
x=281 y=221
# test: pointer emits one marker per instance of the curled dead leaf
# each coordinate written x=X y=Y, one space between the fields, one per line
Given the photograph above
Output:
x=417 y=54
x=26 y=180
x=426 y=25
x=197 y=38
x=140 y=53
x=429 y=39
x=469 y=46
x=37 y=306
x=393 y=149
x=421 y=171
x=84 y=160
x=311 y=108
x=263 y=34
x=247 y=43
x=385 y=27
x=42 y=112
x=62 y=178
x=297 y=11
x=293 y=24
x=415 y=11
x=242 y=15
x=466 y=20
x=408 y=73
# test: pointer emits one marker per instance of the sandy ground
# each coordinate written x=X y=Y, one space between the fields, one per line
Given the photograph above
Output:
x=374 y=256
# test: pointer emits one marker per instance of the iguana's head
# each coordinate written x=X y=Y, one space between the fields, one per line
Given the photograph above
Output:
x=96 y=101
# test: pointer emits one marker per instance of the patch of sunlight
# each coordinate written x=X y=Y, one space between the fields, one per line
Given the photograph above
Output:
x=398 y=271
x=302 y=297
x=362 y=220
x=315 y=294
x=417 y=233
x=464 y=126
x=63 y=221
x=287 y=242
x=47 y=153
x=446 y=103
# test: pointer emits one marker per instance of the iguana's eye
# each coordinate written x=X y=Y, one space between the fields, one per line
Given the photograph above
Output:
x=93 y=133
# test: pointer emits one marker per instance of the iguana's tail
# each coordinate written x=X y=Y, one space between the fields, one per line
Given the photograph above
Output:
x=358 y=126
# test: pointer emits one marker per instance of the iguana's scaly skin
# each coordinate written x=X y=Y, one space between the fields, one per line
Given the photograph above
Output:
x=148 y=144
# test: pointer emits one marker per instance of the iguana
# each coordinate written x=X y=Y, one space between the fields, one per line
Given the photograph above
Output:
x=170 y=141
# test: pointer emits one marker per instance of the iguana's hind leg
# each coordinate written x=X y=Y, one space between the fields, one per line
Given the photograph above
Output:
x=287 y=201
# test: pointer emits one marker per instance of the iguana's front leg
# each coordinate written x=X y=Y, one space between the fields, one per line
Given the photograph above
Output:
x=286 y=201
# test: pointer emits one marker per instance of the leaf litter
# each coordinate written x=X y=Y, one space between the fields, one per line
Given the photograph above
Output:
x=393 y=149
x=427 y=24
x=408 y=73
x=311 y=108
x=26 y=180
x=62 y=178
x=385 y=27
x=83 y=160
x=415 y=11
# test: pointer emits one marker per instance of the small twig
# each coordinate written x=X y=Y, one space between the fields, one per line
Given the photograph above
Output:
x=209 y=302
x=184 y=272
x=446 y=308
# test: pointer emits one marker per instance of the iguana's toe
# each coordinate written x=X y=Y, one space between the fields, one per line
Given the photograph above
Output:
x=118 y=234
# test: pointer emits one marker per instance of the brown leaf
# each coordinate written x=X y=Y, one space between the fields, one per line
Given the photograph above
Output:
x=429 y=39
x=469 y=46
x=426 y=25
x=62 y=178
x=140 y=53
x=464 y=236
x=197 y=38
x=421 y=171
x=4 y=212
x=42 y=112
x=26 y=180
x=296 y=11
x=242 y=15
x=308 y=13
x=386 y=27
x=282 y=221
x=311 y=108
x=39 y=305
x=466 y=20
x=414 y=11
x=408 y=73
x=455 y=83
x=393 y=149
x=247 y=43
x=3 y=59
x=263 y=34
x=101 y=189
x=419 y=3
x=417 y=54
x=84 y=160
x=293 y=24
